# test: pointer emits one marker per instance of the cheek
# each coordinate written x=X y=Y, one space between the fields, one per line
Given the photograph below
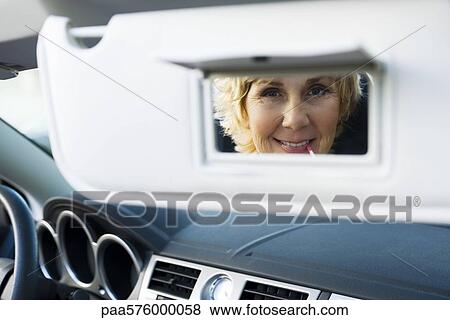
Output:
x=325 y=119
x=262 y=122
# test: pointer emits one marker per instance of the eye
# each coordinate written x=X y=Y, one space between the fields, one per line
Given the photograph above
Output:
x=317 y=91
x=271 y=93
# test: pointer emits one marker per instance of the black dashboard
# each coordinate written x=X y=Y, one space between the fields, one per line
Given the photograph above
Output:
x=114 y=255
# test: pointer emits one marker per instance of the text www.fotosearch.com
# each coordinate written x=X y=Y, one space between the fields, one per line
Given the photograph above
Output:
x=260 y=310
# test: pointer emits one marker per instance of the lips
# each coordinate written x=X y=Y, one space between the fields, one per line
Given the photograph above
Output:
x=295 y=146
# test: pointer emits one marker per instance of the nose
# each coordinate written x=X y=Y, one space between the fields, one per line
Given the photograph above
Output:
x=295 y=118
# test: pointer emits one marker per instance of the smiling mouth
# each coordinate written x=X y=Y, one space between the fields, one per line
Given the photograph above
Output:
x=295 y=147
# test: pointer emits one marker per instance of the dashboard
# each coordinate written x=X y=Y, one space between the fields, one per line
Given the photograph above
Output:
x=101 y=254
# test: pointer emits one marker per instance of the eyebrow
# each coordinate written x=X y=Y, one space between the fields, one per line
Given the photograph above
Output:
x=261 y=82
x=317 y=79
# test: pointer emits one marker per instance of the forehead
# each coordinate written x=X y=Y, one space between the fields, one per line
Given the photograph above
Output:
x=293 y=80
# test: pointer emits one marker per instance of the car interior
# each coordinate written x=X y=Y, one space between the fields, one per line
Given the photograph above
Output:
x=60 y=239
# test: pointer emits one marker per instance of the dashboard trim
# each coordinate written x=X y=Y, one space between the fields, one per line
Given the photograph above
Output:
x=207 y=273
x=137 y=262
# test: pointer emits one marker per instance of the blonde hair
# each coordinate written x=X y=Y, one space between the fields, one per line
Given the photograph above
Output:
x=230 y=108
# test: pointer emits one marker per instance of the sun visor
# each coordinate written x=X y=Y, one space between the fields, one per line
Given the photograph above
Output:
x=135 y=111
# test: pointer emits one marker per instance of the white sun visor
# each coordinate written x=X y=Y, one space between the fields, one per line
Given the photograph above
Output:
x=137 y=111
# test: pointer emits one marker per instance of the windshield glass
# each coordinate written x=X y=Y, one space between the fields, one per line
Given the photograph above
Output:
x=22 y=107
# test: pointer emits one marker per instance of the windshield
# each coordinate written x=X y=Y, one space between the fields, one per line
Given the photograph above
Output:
x=22 y=107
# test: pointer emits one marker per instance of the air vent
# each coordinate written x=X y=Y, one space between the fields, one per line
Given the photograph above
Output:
x=260 y=291
x=173 y=279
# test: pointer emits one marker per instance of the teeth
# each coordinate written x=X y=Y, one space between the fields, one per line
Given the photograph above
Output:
x=294 y=145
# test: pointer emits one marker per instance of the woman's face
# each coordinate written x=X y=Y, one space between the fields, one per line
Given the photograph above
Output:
x=293 y=114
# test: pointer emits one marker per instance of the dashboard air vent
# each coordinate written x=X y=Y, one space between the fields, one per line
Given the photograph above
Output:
x=173 y=279
x=260 y=291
